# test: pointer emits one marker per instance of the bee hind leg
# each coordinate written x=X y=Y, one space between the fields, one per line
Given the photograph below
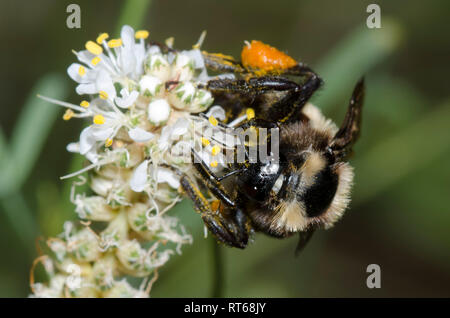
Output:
x=222 y=63
x=262 y=89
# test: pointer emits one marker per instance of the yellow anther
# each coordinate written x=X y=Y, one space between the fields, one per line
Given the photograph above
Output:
x=81 y=70
x=169 y=41
x=213 y=164
x=102 y=37
x=141 y=34
x=103 y=95
x=205 y=142
x=68 y=114
x=213 y=120
x=108 y=142
x=215 y=150
x=95 y=60
x=84 y=104
x=99 y=120
x=114 y=43
x=93 y=47
x=250 y=113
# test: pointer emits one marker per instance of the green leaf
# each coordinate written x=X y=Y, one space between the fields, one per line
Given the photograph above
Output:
x=28 y=139
x=419 y=144
x=353 y=58
x=30 y=132
x=3 y=147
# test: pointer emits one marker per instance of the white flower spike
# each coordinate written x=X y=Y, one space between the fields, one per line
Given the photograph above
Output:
x=141 y=105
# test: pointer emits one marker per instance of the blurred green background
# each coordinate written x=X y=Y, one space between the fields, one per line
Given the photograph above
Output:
x=399 y=217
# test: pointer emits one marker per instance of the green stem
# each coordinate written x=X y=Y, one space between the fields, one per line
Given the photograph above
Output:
x=218 y=273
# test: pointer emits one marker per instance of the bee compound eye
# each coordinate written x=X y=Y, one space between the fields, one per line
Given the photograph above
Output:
x=259 y=180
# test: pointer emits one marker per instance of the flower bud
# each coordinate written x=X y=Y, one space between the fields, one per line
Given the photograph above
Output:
x=202 y=100
x=158 y=112
x=137 y=218
x=158 y=66
x=84 y=245
x=183 y=68
x=132 y=258
x=101 y=186
x=58 y=247
x=151 y=86
x=94 y=208
x=103 y=272
x=182 y=95
x=116 y=231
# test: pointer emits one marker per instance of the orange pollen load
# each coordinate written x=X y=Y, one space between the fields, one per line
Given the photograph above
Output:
x=265 y=57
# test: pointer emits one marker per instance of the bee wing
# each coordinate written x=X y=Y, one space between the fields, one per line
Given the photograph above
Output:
x=304 y=238
x=350 y=129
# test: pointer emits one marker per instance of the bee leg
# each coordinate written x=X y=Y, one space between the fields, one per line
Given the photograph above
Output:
x=229 y=226
x=289 y=108
x=277 y=109
x=163 y=47
x=222 y=63
x=211 y=181
x=304 y=238
x=300 y=69
x=350 y=128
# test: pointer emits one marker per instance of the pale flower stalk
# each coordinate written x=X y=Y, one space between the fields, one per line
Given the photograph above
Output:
x=139 y=128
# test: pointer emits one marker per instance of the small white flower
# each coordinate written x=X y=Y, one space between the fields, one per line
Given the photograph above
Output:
x=182 y=95
x=172 y=133
x=167 y=175
x=59 y=248
x=84 y=246
x=158 y=111
x=93 y=208
x=180 y=128
x=141 y=176
x=140 y=135
x=157 y=65
x=150 y=86
x=183 y=68
x=127 y=98
x=138 y=181
x=217 y=112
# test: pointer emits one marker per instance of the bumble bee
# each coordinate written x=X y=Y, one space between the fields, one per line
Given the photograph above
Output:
x=308 y=187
